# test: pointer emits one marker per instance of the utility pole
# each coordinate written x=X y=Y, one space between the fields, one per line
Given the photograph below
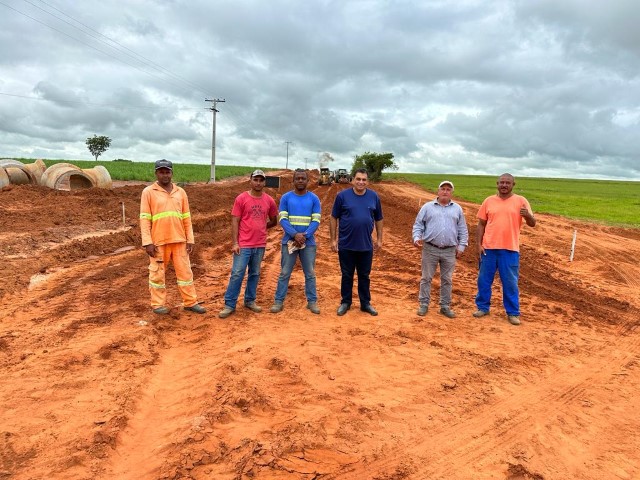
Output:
x=305 y=162
x=212 y=177
x=287 y=164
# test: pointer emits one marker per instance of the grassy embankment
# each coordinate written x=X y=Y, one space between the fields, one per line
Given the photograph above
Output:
x=603 y=201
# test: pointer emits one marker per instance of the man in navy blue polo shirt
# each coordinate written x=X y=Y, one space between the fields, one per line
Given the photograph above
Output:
x=355 y=212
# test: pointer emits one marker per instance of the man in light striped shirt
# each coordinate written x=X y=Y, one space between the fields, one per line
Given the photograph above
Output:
x=440 y=230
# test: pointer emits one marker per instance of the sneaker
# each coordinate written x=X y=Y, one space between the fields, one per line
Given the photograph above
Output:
x=313 y=306
x=447 y=312
x=480 y=313
x=422 y=310
x=514 y=319
x=276 y=307
x=253 y=306
x=161 y=310
x=226 y=311
x=196 y=308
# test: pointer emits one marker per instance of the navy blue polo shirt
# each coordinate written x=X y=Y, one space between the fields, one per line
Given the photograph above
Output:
x=356 y=215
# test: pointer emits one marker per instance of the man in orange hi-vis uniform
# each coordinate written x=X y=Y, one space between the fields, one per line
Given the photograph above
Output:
x=167 y=234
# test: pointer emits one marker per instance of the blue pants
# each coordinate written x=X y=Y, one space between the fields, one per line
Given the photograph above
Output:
x=287 y=262
x=507 y=263
x=350 y=262
x=248 y=257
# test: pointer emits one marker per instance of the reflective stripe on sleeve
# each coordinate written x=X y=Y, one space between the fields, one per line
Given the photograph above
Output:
x=299 y=220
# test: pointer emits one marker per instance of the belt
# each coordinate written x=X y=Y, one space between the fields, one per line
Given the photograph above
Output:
x=438 y=246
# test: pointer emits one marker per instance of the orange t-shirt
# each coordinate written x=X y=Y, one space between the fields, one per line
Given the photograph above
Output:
x=504 y=221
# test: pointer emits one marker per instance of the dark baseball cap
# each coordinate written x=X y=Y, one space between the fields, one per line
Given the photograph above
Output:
x=258 y=173
x=164 y=164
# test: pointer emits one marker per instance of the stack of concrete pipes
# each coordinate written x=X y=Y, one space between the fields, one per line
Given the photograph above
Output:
x=61 y=176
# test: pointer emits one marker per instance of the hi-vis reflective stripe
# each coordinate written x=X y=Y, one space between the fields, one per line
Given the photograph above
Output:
x=156 y=285
x=299 y=220
x=158 y=216
x=283 y=214
x=184 y=283
x=315 y=217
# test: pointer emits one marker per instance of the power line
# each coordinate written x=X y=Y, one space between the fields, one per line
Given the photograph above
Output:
x=89 y=45
x=90 y=104
x=135 y=56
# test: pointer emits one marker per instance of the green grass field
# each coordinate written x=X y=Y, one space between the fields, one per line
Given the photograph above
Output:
x=603 y=201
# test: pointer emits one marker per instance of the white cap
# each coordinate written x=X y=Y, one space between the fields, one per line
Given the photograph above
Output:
x=446 y=182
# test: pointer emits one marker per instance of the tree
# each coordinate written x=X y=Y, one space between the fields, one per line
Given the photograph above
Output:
x=97 y=145
x=374 y=163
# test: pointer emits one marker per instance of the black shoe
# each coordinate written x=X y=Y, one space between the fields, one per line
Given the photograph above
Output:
x=342 y=309
x=196 y=308
x=370 y=310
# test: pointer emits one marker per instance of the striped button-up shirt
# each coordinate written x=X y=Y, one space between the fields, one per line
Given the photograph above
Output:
x=441 y=225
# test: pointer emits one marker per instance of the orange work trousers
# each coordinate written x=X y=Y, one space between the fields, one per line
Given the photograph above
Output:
x=176 y=252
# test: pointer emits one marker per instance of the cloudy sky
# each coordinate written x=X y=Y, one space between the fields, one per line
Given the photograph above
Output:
x=538 y=88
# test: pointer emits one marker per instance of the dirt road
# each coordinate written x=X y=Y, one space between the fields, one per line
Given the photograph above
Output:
x=94 y=386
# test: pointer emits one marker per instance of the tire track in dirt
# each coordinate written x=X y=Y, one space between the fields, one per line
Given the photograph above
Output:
x=166 y=409
x=504 y=422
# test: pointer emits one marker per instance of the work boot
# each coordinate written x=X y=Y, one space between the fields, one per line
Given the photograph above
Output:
x=447 y=312
x=514 y=319
x=253 y=306
x=196 y=308
x=276 y=307
x=422 y=310
x=313 y=306
x=480 y=313
x=226 y=311
x=161 y=310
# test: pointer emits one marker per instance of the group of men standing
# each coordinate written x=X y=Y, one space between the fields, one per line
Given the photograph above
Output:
x=440 y=230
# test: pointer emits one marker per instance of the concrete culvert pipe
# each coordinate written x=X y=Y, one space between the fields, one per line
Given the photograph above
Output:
x=37 y=168
x=16 y=173
x=4 y=178
x=65 y=176
x=100 y=176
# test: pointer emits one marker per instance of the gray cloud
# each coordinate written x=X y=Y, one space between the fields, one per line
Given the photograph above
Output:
x=541 y=88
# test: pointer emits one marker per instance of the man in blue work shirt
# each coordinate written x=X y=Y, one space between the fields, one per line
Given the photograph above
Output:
x=440 y=230
x=299 y=215
x=355 y=211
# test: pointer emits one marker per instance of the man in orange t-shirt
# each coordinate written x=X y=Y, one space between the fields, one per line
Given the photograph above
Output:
x=498 y=237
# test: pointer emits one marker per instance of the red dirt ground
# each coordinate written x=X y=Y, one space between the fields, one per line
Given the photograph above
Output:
x=94 y=386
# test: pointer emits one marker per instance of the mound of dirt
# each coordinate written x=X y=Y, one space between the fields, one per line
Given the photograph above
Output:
x=93 y=385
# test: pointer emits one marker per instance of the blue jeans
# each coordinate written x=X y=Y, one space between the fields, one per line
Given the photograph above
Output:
x=350 y=262
x=507 y=263
x=248 y=257
x=287 y=262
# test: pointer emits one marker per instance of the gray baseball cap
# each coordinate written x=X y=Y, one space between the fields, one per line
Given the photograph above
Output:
x=258 y=173
x=164 y=164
